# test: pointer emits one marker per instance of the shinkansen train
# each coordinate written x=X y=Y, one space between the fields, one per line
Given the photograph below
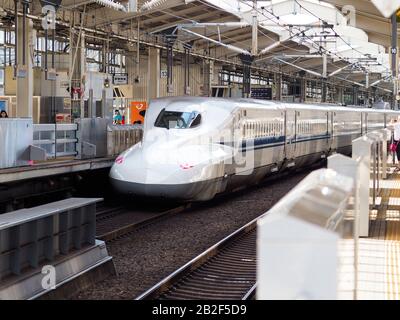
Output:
x=194 y=147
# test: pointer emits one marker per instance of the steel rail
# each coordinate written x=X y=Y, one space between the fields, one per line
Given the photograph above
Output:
x=238 y=244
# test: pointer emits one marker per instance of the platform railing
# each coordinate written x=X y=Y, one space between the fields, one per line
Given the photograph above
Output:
x=305 y=243
x=59 y=140
x=121 y=138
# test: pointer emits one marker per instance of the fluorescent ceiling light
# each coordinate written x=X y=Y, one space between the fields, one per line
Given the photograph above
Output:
x=300 y=19
x=387 y=7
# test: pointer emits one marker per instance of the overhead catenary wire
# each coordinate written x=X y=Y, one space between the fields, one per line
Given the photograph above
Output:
x=290 y=30
x=338 y=35
x=320 y=47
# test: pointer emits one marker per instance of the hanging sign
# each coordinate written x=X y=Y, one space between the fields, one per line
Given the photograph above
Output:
x=120 y=78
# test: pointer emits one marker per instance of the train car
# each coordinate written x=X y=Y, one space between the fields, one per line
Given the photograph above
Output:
x=194 y=147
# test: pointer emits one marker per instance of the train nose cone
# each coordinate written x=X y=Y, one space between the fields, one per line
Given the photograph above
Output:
x=142 y=171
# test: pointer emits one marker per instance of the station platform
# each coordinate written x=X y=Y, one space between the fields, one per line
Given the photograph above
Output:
x=53 y=167
x=379 y=254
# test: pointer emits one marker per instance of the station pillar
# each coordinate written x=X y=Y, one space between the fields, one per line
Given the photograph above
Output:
x=395 y=60
x=26 y=41
x=324 y=91
x=278 y=87
x=355 y=95
x=208 y=74
x=339 y=95
x=303 y=90
x=77 y=61
x=153 y=82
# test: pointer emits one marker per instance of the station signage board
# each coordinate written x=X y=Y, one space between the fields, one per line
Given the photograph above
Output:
x=137 y=112
x=120 y=78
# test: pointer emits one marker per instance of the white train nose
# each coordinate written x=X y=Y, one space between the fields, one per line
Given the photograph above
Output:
x=165 y=174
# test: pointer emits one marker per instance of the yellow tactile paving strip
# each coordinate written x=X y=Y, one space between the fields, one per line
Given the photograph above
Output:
x=380 y=276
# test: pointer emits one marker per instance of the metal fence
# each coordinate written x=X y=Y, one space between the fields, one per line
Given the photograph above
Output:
x=120 y=138
x=59 y=140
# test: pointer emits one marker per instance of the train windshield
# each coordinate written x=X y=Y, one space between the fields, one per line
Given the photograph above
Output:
x=177 y=120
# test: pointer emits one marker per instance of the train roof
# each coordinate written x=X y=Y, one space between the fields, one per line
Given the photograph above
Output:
x=233 y=103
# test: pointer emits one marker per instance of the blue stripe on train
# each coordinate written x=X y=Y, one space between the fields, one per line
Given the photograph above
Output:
x=270 y=142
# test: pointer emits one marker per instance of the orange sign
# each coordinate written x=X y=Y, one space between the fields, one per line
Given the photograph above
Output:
x=137 y=111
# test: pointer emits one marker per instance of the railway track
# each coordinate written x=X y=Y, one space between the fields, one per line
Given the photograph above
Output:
x=115 y=222
x=225 y=271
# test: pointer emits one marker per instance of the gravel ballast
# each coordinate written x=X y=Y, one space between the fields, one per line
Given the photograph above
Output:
x=152 y=253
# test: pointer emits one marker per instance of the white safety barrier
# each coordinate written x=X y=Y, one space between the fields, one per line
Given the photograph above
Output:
x=15 y=138
x=306 y=240
x=370 y=153
x=307 y=244
x=59 y=140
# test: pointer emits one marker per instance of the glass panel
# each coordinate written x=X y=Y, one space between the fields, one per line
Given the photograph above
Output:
x=177 y=120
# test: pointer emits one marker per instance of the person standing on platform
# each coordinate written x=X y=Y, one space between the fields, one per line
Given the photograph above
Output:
x=3 y=114
x=117 y=117
x=396 y=137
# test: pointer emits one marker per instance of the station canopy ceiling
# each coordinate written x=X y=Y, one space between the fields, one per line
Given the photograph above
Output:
x=293 y=35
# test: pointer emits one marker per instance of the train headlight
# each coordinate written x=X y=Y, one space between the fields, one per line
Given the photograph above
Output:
x=119 y=160
x=186 y=166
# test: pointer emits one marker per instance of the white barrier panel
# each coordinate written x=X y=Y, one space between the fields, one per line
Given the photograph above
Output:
x=387 y=134
x=351 y=168
x=15 y=138
x=363 y=153
x=298 y=240
x=370 y=151
x=58 y=140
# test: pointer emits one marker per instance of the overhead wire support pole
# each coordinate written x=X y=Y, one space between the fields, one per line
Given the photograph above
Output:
x=300 y=68
x=214 y=24
x=23 y=32
x=16 y=37
x=138 y=49
x=340 y=70
x=254 y=38
x=395 y=54
x=228 y=46
x=278 y=43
